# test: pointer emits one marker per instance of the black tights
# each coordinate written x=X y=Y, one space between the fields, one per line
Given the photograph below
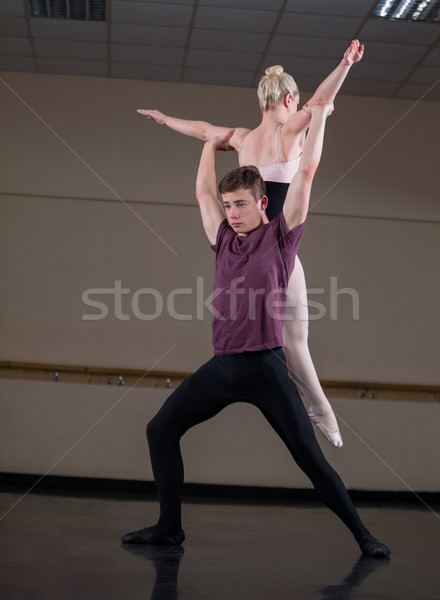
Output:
x=261 y=379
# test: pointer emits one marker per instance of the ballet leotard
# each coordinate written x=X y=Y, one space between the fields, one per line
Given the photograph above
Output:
x=277 y=177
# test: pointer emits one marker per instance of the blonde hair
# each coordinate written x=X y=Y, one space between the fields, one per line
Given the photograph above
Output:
x=274 y=85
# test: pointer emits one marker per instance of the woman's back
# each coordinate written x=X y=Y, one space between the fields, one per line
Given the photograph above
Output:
x=268 y=146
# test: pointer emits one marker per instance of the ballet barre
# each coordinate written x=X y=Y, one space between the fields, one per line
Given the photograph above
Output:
x=170 y=380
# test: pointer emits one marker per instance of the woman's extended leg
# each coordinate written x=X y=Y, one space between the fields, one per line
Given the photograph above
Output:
x=299 y=361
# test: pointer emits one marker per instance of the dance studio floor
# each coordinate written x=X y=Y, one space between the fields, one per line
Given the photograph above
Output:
x=68 y=548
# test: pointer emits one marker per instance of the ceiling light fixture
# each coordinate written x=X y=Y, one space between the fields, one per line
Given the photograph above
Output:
x=81 y=10
x=427 y=11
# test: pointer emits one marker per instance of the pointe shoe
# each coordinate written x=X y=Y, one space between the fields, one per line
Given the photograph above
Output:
x=334 y=437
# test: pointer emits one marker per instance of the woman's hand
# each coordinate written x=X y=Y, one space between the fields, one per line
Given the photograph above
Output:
x=354 y=53
x=154 y=115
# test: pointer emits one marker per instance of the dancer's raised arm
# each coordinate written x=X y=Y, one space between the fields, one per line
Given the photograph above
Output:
x=327 y=90
x=298 y=122
x=211 y=208
x=296 y=204
x=199 y=129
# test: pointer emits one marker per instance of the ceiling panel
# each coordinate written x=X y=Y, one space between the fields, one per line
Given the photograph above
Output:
x=382 y=71
x=343 y=28
x=214 y=76
x=13 y=26
x=232 y=41
x=313 y=47
x=307 y=86
x=231 y=19
x=222 y=60
x=147 y=54
x=394 y=53
x=72 y=67
x=297 y=65
x=191 y=2
x=227 y=42
x=17 y=63
x=432 y=58
x=62 y=29
x=12 y=8
x=249 y=4
x=17 y=46
x=71 y=50
x=427 y=75
x=400 y=32
x=149 y=72
x=146 y=13
x=343 y=8
x=173 y=37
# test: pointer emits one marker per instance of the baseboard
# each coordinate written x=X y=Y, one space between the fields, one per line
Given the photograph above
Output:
x=198 y=492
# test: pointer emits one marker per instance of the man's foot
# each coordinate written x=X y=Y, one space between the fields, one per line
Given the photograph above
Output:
x=372 y=547
x=327 y=425
x=150 y=535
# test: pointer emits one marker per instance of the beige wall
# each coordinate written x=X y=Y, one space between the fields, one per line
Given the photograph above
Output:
x=92 y=193
x=99 y=431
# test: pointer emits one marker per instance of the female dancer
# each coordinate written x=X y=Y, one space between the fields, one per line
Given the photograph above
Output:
x=275 y=147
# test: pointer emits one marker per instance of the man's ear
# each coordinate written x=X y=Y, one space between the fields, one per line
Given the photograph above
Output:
x=264 y=202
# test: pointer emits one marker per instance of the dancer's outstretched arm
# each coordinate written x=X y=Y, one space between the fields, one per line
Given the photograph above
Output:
x=211 y=208
x=327 y=90
x=296 y=204
x=199 y=129
x=298 y=122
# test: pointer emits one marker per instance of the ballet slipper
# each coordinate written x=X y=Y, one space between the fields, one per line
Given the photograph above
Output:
x=372 y=547
x=334 y=437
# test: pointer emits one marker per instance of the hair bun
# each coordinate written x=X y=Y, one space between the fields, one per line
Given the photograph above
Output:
x=274 y=71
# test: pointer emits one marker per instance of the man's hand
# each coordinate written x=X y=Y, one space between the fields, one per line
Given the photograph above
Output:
x=221 y=142
x=154 y=115
x=354 y=53
x=327 y=109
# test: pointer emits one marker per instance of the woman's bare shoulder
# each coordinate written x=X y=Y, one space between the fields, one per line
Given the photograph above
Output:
x=238 y=137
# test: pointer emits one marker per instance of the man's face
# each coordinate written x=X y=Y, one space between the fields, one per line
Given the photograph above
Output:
x=243 y=212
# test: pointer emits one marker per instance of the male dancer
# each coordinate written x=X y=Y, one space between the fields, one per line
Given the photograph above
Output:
x=254 y=260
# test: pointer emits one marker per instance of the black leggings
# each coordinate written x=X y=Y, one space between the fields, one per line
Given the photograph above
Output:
x=261 y=379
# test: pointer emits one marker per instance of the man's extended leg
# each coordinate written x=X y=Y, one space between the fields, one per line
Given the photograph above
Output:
x=200 y=397
x=275 y=395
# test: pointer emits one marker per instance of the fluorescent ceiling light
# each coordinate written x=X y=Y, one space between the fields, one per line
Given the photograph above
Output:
x=81 y=10
x=409 y=10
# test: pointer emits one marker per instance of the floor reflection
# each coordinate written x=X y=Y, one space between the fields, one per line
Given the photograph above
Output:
x=360 y=571
x=66 y=547
x=166 y=561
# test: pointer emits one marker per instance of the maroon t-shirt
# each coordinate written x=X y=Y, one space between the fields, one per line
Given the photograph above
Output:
x=251 y=276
